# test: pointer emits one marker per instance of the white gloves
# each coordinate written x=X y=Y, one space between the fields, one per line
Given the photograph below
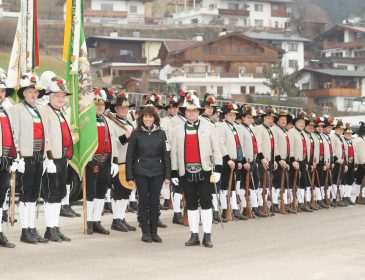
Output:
x=51 y=167
x=114 y=170
x=217 y=177
x=21 y=166
x=175 y=181
x=14 y=166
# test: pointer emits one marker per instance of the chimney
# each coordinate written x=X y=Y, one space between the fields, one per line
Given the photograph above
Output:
x=136 y=34
x=199 y=37
x=114 y=34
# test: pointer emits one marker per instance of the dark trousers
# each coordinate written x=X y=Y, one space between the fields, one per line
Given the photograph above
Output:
x=336 y=173
x=302 y=178
x=31 y=178
x=149 y=189
x=226 y=171
x=360 y=173
x=349 y=176
x=277 y=174
x=320 y=173
x=198 y=190
x=263 y=172
x=5 y=164
x=97 y=183
x=54 y=184
x=254 y=173
x=118 y=190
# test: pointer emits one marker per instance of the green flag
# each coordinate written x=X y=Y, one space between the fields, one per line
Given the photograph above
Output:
x=78 y=77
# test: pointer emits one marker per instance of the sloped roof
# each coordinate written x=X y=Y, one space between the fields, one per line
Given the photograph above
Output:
x=276 y=36
x=338 y=27
x=336 y=72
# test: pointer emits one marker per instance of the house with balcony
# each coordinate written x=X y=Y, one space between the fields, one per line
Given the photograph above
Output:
x=291 y=43
x=343 y=47
x=259 y=14
x=117 y=12
x=334 y=89
x=230 y=66
x=116 y=60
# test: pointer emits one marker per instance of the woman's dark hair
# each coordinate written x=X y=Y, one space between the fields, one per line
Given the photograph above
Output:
x=147 y=111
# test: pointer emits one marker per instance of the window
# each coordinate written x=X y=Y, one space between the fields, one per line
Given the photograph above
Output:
x=206 y=49
x=233 y=6
x=293 y=63
x=337 y=54
x=341 y=67
x=276 y=24
x=254 y=50
x=259 y=23
x=347 y=103
x=107 y=7
x=242 y=69
x=246 y=50
x=133 y=9
x=126 y=53
x=275 y=7
x=252 y=90
x=243 y=90
x=259 y=69
x=194 y=21
x=219 y=91
x=305 y=86
x=292 y=47
x=216 y=49
x=259 y=7
x=218 y=69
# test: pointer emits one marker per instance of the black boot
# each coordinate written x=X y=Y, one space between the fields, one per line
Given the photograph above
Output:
x=128 y=226
x=319 y=204
x=194 y=240
x=161 y=224
x=36 y=235
x=333 y=203
x=146 y=237
x=238 y=215
x=304 y=208
x=207 y=242
x=51 y=235
x=345 y=202
x=258 y=213
x=350 y=201
x=153 y=230
x=108 y=207
x=132 y=206
x=65 y=212
x=98 y=228
x=4 y=241
x=312 y=207
x=5 y=217
x=165 y=205
x=178 y=219
x=118 y=225
x=224 y=214
x=276 y=208
x=73 y=211
x=289 y=210
x=27 y=236
x=90 y=228
x=61 y=235
x=217 y=219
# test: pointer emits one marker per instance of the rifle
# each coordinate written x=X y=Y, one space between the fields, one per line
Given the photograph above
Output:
x=12 y=206
x=186 y=220
x=294 y=204
x=212 y=180
x=340 y=173
x=264 y=209
x=271 y=187
x=114 y=120
x=229 y=216
x=326 y=198
x=249 y=213
x=171 y=206
x=313 y=201
x=282 y=206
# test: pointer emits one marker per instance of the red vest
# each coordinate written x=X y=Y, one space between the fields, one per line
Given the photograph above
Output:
x=192 y=152
x=7 y=140
x=104 y=146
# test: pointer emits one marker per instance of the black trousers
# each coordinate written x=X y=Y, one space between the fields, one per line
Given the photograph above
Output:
x=336 y=172
x=5 y=175
x=349 y=176
x=360 y=173
x=97 y=183
x=198 y=190
x=31 y=178
x=320 y=173
x=302 y=176
x=226 y=171
x=149 y=189
x=177 y=189
x=118 y=190
x=54 y=184
x=277 y=178
x=254 y=173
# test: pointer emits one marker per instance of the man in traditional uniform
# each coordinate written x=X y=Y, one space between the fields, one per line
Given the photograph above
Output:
x=340 y=168
x=59 y=149
x=249 y=165
x=268 y=155
x=98 y=170
x=349 y=176
x=194 y=152
x=299 y=160
x=230 y=143
x=312 y=155
x=121 y=190
x=328 y=154
x=281 y=137
x=29 y=140
x=359 y=146
x=7 y=154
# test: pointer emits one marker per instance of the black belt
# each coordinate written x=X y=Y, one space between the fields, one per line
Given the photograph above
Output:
x=101 y=157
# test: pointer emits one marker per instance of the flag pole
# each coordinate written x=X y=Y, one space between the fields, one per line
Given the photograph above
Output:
x=84 y=200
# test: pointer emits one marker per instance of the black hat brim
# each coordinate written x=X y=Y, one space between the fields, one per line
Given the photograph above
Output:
x=9 y=92
x=183 y=109
x=289 y=118
x=112 y=106
x=297 y=119
x=174 y=104
x=20 y=92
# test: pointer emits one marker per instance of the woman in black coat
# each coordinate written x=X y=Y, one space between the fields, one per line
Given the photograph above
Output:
x=148 y=165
